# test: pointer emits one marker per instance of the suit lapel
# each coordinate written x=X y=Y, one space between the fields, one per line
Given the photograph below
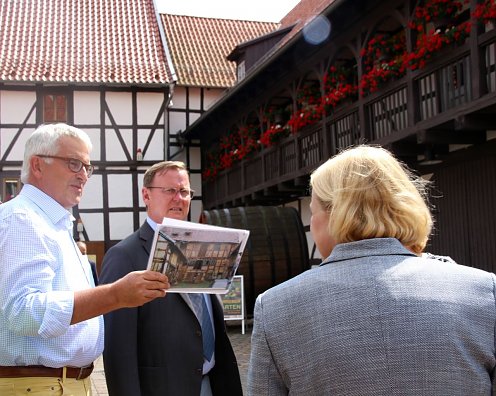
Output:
x=146 y=234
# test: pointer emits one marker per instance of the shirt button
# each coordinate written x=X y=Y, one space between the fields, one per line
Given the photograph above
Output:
x=198 y=333
x=199 y=371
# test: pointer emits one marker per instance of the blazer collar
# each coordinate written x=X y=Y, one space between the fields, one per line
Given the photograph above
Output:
x=146 y=234
x=367 y=248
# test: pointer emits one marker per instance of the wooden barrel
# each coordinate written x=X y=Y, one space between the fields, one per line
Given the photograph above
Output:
x=276 y=249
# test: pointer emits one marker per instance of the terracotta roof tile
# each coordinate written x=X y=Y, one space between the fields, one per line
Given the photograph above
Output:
x=84 y=41
x=301 y=14
x=199 y=47
x=305 y=10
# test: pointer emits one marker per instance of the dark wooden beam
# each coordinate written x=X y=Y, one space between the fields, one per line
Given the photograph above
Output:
x=482 y=122
x=405 y=148
x=291 y=187
x=451 y=137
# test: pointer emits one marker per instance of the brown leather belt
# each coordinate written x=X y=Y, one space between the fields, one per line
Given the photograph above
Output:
x=78 y=373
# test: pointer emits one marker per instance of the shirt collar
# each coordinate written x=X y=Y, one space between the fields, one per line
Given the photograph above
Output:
x=57 y=214
x=151 y=223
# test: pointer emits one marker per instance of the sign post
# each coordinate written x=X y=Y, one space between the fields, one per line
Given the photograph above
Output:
x=233 y=302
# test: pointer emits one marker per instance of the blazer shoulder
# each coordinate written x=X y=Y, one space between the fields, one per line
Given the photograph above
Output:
x=141 y=236
x=130 y=254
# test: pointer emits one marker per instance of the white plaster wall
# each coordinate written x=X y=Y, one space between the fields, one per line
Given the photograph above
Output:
x=195 y=181
x=121 y=225
x=156 y=149
x=15 y=106
x=193 y=117
x=177 y=121
x=194 y=98
x=114 y=149
x=120 y=105
x=120 y=191
x=178 y=154
x=211 y=95
x=92 y=194
x=195 y=210
x=178 y=98
x=94 y=135
x=93 y=223
x=140 y=184
x=142 y=217
x=7 y=137
x=148 y=107
x=86 y=107
x=177 y=115
x=195 y=157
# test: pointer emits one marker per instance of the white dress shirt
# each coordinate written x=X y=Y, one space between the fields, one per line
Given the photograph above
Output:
x=40 y=268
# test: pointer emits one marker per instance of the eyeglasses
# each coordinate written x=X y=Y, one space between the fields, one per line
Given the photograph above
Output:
x=73 y=164
x=172 y=192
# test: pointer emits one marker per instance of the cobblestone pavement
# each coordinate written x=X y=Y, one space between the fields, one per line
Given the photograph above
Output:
x=241 y=344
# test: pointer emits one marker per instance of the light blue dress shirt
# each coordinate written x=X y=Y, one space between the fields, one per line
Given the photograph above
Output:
x=40 y=269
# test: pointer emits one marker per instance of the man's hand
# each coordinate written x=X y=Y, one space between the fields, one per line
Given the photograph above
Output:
x=140 y=287
x=133 y=290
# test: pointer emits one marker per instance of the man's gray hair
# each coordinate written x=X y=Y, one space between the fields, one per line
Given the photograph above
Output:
x=45 y=141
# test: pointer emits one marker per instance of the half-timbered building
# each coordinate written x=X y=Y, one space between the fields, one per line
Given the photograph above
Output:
x=102 y=67
x=109 y=68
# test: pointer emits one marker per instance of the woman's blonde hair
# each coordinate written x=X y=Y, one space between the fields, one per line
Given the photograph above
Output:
x=370 y=194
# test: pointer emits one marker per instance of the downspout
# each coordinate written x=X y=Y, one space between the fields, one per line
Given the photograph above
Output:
x=167 y=133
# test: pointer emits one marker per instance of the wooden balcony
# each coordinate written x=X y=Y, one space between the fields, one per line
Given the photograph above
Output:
x=450 y=101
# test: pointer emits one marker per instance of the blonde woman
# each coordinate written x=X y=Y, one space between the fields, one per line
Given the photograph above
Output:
x=377 y=317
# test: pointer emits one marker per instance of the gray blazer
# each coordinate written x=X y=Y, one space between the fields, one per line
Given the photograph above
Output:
x=374 y=319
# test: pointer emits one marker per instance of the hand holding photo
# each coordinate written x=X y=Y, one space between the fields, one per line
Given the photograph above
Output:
x=197 y=258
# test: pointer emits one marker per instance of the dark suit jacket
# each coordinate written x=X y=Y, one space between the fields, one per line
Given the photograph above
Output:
x=157 y=349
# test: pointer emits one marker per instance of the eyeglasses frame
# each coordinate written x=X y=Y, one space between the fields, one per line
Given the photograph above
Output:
x=89 y=168
x=165 y=190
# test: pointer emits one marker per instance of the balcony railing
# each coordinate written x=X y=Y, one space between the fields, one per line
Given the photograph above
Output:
x=444 y=86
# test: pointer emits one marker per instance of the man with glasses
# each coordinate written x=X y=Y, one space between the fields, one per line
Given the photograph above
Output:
x=51 y=323
x=158 y=349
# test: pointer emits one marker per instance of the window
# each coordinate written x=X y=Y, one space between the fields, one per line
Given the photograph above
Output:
x=54 y=108
x=241 y=70
x=11 y=186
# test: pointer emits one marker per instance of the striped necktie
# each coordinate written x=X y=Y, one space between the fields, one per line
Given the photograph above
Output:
x=201 y=310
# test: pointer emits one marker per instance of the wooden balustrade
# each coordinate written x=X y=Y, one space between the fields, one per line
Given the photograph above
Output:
x=277 y=174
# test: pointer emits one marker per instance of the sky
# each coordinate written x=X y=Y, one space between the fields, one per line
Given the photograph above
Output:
x=252 y=10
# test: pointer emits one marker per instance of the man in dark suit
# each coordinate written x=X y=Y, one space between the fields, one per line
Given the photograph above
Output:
x=83 y=249
x=158 y=349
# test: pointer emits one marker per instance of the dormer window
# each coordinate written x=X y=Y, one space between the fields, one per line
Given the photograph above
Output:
x=241 y=70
